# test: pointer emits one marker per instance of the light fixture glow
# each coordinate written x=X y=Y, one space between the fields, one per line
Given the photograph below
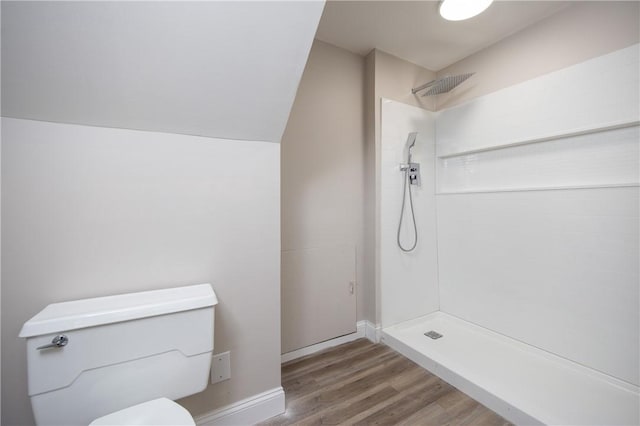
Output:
x=458 y=10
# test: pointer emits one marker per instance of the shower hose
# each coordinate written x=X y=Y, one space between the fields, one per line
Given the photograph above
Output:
x=413 y=217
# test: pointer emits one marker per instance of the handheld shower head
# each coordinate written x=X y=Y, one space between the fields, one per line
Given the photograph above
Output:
x=411 y=141
x=411 y=176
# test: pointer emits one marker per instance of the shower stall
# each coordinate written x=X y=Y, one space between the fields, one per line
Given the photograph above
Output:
x=523 y=287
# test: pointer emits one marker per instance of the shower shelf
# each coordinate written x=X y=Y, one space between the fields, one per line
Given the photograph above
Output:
x=541 y=188
x=522 y=383
x=547 y=138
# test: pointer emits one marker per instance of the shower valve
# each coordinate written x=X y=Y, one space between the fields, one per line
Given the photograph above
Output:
x=413 y=172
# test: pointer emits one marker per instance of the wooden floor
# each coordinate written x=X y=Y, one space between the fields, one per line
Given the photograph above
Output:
x=370 y=384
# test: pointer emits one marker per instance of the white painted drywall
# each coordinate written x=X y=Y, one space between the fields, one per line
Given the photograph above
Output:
x=318 y=295
x=222 y=69
x=408 y=281
x=89 y=211
x=557 y=269
x=322 y=152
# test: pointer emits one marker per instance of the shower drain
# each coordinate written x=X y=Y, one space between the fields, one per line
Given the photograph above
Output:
x=433 y=334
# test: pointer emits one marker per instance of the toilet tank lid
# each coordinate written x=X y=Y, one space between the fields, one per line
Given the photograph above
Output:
x=66 y=316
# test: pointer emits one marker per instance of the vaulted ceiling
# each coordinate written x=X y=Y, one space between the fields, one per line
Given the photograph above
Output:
x=222 y=69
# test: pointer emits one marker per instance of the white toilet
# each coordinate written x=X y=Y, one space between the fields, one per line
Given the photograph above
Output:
x=120 y=360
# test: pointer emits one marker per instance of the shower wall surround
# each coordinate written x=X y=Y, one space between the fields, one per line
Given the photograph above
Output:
x=537 y=215
x=408 y=281
x=593 y=95
x=556 y=268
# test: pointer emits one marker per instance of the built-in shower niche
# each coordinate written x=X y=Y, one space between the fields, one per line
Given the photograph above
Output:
x=601 y=158
x=564 y=129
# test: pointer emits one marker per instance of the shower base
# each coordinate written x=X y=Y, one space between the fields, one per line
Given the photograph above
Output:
x=522 y=383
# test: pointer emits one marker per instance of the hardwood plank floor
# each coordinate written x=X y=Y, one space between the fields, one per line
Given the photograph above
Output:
x=361 y=383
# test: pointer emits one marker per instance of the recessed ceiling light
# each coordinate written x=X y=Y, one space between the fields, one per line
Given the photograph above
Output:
x=458 y=10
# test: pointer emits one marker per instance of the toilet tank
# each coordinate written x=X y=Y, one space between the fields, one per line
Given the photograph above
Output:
x=121 y=350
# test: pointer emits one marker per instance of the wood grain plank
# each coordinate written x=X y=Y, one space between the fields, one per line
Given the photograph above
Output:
x=400 y=410
x=361 y=383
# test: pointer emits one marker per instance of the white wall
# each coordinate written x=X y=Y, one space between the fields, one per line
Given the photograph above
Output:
x=408 y=281
x=322 y=153
x=90 y=211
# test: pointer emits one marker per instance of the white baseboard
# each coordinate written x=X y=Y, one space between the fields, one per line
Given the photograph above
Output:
x=363 y=329
x=271 y=403
x=249 y=411
x=372 y=332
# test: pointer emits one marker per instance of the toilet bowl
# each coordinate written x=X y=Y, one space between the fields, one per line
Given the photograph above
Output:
x=157 y=412
x=120 y=359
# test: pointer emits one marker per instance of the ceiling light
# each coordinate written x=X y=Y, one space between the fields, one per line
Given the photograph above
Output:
x=458 y=10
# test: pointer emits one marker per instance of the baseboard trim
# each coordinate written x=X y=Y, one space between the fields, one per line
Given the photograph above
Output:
x=249 y=411
x=372 y=332
x=363 y=329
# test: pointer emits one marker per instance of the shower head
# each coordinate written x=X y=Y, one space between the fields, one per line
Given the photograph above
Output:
x=442 y=85
x=411 y=140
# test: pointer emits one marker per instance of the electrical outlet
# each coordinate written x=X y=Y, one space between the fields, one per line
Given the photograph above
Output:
x=221 y=367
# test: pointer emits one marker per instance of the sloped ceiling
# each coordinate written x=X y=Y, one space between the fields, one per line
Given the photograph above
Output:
x=218 y=69
x=415 y=31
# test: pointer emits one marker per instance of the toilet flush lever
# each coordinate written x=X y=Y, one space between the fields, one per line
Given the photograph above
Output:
x=57 y=342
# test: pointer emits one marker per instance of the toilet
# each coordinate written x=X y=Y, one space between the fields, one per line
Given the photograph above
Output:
x=157 y=412
x=120 y=360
